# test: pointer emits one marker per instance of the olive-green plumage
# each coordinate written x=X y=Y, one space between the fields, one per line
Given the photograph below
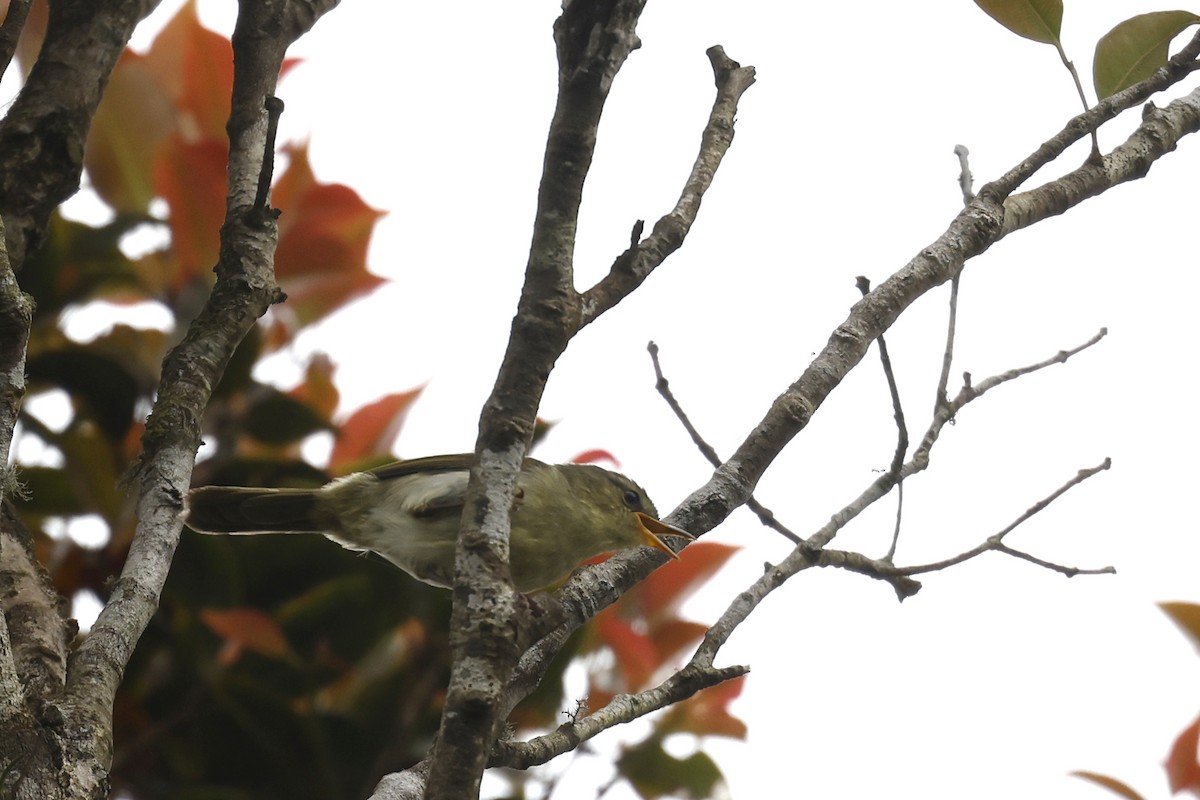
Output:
x=409 y=513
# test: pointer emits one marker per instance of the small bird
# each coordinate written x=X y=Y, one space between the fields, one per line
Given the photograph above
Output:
x=409 y=513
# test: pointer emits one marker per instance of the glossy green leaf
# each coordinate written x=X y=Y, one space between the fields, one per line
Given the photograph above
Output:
x=1135 y=48
x=1039 y=20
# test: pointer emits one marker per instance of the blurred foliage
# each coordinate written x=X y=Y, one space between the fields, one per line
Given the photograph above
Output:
x=276 y=667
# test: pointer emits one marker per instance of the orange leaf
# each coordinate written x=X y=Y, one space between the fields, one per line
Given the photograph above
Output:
x=671 y=583
x=593 y=456
x=318 y=389
x=1183 y=772
x=635 y=653
x=195 y=67
x=119 y=156
x=323 y=237
x=672 y=635
x=246 y=627
x=1112 y=784
x=191 y=178
x=707 y=712
x=371 y=430
x=1186 y=616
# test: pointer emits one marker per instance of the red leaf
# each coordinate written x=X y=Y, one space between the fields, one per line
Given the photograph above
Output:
x=247 y=628
x=195 y=67
x=120 y=157
x=1112 y=784
x=191 y=178
x=371 y=430
x=318 y=389
x=593 y=456
x=672 y=635
x=707 y=712
x=671 y=583
x=1183 y=772
x=635 y=653
x=323 y=236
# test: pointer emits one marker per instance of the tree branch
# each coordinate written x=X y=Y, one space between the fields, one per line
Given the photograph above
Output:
x=765 y=515
x=1176 y=69
x=42 y=136
x=16 y=317
x=245 y=287
x=983 y=222
x=995 y=541
x=10 y=31
x=593 y=40
x=622 y=708
x=635 y=264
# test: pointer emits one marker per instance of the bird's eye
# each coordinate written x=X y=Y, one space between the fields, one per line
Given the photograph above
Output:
x=632 y=499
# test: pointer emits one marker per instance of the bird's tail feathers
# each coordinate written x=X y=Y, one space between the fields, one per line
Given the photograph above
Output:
x=228 y=509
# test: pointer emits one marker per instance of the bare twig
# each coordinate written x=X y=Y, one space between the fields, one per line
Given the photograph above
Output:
x=948 y=353
x=1176 y=69
x=893 y=472
x=622 y=708
x=765 y=515
x=995 y=541
x=274 y=108
x=1070 y=65
x=635 y=264
x=965 y=180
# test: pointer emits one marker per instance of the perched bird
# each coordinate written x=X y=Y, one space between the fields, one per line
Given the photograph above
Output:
x=409 y=513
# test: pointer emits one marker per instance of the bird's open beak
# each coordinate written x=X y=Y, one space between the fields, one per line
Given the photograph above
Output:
x=652 y=529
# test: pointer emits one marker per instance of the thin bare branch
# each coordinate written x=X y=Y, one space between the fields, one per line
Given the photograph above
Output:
x=880 y=569
x=622 y=708
x=965 y=179
x=765 y=515
x=995 y=541
x=894 y=468
x=1177 y=68
x=635 y=264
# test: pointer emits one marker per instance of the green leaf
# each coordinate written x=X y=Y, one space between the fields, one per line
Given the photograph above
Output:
x=1135 y=48
x=278 y=418
x=1039 y=20
x=655 y=773
x=107 y=387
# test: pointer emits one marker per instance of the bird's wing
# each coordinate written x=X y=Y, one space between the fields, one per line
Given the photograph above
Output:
x=460 y=462
x=437 y=484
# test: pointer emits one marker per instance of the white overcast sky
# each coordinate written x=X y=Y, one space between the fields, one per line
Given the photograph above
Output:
x=999 y=677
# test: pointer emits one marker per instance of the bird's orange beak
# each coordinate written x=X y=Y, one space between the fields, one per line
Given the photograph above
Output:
x=652 y=529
